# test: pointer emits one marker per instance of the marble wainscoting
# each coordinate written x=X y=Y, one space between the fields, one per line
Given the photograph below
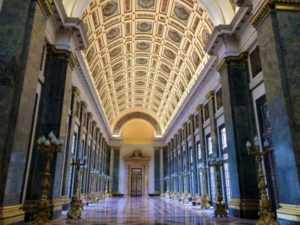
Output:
x=150 y=211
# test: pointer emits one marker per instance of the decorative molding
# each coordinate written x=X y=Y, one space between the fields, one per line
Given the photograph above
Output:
x=289 y=212
x=270 y=5
x=12 y=213
x=244 y=204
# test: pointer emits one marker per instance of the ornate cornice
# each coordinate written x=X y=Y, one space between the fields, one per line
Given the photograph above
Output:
x=269 y=5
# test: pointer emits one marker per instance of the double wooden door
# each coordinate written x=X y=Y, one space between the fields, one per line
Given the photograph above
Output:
x=136 y=184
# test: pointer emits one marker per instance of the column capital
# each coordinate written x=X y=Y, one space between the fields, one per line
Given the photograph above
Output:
x=84 y=104
x=46 y=8
x=199 y=108
x=89 y=115
x=226 y=61
x=210 y=95
x=62 y=54
x=184 y=124
x=76 y=91
x=191 y=117
x=271 y=5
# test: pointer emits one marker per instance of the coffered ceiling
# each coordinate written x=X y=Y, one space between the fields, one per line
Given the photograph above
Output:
x=144 y=55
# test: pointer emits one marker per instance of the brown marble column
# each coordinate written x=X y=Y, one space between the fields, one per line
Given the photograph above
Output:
x=277 y=24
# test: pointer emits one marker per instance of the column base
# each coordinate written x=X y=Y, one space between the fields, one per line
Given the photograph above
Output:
x=30 y=207
x=65 y=202
x=11 y=215
x=244 y=208
x=288 y=214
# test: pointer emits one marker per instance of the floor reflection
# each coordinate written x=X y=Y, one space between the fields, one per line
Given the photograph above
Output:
x=152 y=211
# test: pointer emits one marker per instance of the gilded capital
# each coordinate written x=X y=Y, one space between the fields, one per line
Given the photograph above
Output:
x=191 y=117
x=199 y=108
x=76 y=91
x=271 y=5
x=232 y=60
x=210 y=95
x=46 y=8
x=184 y=124
x=84 y=104
x=89 y=115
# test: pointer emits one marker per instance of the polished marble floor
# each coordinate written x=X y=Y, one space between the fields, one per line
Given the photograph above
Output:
x=151 y=211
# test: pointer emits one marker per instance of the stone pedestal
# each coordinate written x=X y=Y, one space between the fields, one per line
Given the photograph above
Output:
x=238 y=113
x=277 y=24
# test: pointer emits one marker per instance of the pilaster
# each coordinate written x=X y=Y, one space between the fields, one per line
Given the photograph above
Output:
x=52 y=116
x=239 y=117
x=277 y=24
x=20 y=57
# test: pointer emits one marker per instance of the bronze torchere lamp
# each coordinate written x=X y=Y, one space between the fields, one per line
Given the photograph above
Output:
x=76 y=202
x=220 y=209
x=49 y=146
x=266 y=216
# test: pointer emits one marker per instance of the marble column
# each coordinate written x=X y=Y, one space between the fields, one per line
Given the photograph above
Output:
x=111 y=169
x=213 y=125
x=194 y=153
x=157 y=174
x=88 y=148
x=52 y=116
x=187 y=157
x=161 y=170
x=20 y=60
x=277 y=24
x=203 y=162
x=116 y=168
x=69 y=141
x=80 y=147
x=239 y=123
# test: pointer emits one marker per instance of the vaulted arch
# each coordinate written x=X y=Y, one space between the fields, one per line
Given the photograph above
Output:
x=146 y=54
x=137 y=115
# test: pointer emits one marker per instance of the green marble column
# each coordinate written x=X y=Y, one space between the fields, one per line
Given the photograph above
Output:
x=239 y=123
x=52 y=116
x=203 y=162
x=278 y=28
x=213 y=126
x=116 y=162
x=194 y=164
x=20 y=58
x=157 y=170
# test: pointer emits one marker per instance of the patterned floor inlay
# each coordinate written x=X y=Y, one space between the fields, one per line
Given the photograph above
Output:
x=141 y=211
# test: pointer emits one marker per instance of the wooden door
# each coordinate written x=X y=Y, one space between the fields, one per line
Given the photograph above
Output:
x=136 y=184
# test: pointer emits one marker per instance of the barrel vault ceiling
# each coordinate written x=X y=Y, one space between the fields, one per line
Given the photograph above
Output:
x=145 y=55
